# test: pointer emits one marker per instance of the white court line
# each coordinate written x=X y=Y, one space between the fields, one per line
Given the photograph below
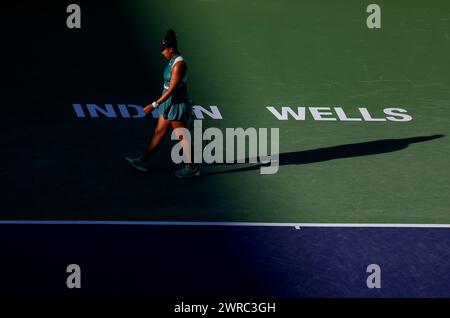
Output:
x=200 y=223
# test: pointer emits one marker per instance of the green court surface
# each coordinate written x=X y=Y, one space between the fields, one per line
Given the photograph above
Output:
x=244 y=56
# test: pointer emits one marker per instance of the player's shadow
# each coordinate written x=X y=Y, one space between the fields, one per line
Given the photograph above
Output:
x=330 y=153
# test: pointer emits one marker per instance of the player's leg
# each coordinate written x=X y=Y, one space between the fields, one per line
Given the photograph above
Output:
x=157 y=138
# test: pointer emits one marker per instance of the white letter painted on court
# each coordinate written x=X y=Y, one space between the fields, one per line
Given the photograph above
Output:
x=319 y=112
x=74 y=19
x=343 y=116
x=374 y=19
x=367 y=117
x=285 y=111
x=199 y=111
x=74 y=279
x=395 y=116
x=374 y=279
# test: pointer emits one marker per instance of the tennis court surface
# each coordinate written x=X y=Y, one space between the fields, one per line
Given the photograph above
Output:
x=363 y=117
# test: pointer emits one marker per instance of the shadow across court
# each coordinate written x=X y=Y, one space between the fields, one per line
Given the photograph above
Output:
x=330 y=153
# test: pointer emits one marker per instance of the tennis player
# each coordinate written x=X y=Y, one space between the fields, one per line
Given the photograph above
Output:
x=175 y=108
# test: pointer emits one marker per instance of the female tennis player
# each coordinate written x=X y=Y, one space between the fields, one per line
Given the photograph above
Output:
x=175 y=108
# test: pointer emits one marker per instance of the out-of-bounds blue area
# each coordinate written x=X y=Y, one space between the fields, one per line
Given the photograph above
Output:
x=176 y=262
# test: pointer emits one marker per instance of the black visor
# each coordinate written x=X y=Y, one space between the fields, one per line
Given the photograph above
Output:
x=164 y=45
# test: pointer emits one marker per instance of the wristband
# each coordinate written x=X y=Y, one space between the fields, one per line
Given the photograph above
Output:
x=155 y=104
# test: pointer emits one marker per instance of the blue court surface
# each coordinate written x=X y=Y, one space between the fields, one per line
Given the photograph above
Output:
x=223 y=262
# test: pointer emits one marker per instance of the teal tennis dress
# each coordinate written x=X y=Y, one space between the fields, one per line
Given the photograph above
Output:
x=179 y=105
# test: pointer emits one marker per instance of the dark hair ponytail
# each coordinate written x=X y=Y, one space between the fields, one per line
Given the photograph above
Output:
x=169 y=40
x=171 y=34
